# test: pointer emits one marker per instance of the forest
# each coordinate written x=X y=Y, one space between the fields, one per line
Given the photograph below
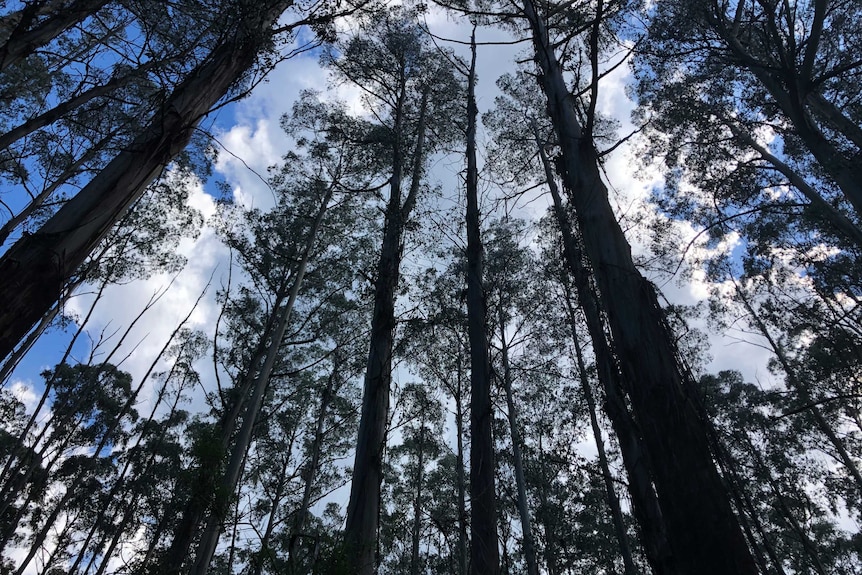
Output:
x=481 y=287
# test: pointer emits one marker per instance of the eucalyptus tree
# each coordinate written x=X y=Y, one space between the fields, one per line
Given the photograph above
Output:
x=483 y=524
x=786 y=68
x=294 y=265
x=410 y=88
x=520 y=156
x=44 y=262
x=790 y=514
x=703 y=532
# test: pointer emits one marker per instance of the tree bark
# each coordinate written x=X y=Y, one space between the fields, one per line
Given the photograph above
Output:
x=483 y=525
x=704 y=534
x=37 y=267
x=645 y=503
x=517 y=457
x=363 y=508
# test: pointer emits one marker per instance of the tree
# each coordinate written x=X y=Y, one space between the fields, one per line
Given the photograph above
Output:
x=701 y=525
x=409 y=87
x=44 y=262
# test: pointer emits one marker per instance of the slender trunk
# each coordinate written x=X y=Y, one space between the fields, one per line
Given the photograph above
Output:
x=42 y=534
x=36 y=268
x=520 y=480
x=808 y=545
x=208 y=543
x=63 y=108
x=550 y=532
x=644 y=499
x=417 y=503
x=264 y=553
x=483 y=524
x=23 y=39
x=704 y=534
x=459 y=475
x=610 y=493
x=820 y=206
x=363 y=508
x=802 y=390
x=829 y=112
x=39 y=199
x=314 y=461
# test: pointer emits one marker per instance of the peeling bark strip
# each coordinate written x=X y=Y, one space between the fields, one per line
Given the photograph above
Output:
x=704 y=534
x=35 y=270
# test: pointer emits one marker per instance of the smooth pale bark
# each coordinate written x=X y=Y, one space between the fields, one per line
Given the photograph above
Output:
x=520 y=480
x=483 y=524
x=363 y=508
x=644 y=500
x=704 y=534
x=229 y=482
x=35 y=270
x=22 y=38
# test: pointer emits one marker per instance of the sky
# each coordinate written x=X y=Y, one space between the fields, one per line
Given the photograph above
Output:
x=251 y=141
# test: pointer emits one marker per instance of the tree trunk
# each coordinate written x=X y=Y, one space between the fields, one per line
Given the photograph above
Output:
x=704 y=534
x=644 y=500
x=459 y=477
x=22 y=40
x=610 y=493
x=483 y=524
x=417 y=503
x=517 y=457
x=37 y=267
x=314 y=460
x=209 y=540
x=363 y=508
x=845 y=171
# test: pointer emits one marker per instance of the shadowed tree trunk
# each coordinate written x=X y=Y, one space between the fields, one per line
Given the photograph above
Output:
x=22 y=37
x=35 y=270
x=644 y=500
x=483 y=525
x=517 y=457
x=704 y=534
x=363 y=508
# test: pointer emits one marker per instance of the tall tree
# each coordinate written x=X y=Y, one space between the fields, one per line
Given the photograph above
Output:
x=410 y=87
x=704 y=533
x=40 y=265
x=483 y=525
